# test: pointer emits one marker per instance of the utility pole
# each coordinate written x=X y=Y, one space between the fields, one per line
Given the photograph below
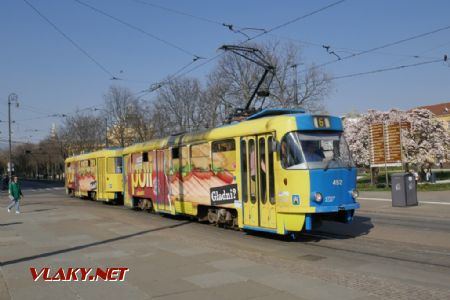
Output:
x=12 y=98
x=106 y=125
x=294 y=67
x=106 y=132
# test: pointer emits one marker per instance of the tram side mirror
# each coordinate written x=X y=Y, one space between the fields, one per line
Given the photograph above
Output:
x=275 y=146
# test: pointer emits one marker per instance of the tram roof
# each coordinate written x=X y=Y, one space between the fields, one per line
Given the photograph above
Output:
x=263 y=123
x=110 y=152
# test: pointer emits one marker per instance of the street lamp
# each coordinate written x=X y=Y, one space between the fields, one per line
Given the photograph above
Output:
x=106 y=125
x=12 y=98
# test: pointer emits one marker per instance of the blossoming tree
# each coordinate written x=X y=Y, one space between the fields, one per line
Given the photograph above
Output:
x=426 y=142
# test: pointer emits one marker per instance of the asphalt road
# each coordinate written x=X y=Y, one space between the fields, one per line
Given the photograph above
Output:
x=387 y=253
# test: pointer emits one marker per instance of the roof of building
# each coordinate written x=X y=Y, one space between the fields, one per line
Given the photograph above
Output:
x=438 y=109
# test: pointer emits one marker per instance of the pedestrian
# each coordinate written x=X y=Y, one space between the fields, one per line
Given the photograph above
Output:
x=416 y=175
x=15 y=194
x=428 y=175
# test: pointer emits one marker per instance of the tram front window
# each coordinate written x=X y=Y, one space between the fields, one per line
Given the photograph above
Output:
x=301 y=150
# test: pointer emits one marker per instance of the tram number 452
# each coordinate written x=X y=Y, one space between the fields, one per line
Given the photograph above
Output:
x=337 y=182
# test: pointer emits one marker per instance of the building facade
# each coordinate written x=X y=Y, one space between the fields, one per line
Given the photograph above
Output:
x=441 y=111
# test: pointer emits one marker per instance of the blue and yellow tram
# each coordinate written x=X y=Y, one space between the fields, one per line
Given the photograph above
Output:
x=276 y=171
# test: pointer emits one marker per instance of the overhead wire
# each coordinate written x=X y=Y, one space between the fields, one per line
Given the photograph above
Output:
x=316 y=11
x=382 y=70
x=75 y=44
x=178 y=12
x=269 y=32
x=207 y=61
x=388 y=69
x=136 y=28
x=423 y=52
x=390 y=44
x=348 y=50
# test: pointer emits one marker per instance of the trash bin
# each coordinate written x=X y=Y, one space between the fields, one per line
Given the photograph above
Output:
x=404 y=190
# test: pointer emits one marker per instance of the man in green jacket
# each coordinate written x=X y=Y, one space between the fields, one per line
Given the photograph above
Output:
x=15 y=193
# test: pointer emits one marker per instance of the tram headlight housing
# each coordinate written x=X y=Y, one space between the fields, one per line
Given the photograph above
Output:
x=355 y=194
x=318 y=197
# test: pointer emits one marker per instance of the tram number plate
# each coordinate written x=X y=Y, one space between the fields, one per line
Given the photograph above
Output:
x=223 y=194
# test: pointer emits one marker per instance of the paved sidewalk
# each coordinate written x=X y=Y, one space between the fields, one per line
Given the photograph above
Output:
x=172 y=258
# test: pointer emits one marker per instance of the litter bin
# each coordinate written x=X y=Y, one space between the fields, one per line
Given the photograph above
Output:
x=404 y=190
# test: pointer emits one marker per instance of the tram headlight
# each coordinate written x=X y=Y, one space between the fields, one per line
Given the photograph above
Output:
x=355 y=194
x=318 y=197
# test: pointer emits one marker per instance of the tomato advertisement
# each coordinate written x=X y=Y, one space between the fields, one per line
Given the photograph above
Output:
x=86 y=175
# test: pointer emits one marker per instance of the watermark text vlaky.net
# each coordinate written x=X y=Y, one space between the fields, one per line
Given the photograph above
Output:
x=79 y=274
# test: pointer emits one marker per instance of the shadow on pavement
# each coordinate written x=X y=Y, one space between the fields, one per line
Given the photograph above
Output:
x=327 y=230
x=32 y=203
x=339 y=231
x=9 y=224
x=80 y=247
x=41 y=210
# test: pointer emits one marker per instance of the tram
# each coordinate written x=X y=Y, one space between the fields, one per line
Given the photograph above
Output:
x=277 y=171
x=96 y=175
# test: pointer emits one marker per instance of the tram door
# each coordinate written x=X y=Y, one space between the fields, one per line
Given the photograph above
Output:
x=161 y=186
x=257 y=188
x=101 y=180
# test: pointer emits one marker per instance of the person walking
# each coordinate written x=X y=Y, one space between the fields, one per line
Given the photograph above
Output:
x=15 y=194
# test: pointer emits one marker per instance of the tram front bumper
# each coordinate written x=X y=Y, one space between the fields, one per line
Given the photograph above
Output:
x=337 y=208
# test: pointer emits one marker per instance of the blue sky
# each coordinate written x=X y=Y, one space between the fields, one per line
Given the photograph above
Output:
x=51 y=76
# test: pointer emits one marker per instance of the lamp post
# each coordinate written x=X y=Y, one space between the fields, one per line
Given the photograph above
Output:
x=12 y=98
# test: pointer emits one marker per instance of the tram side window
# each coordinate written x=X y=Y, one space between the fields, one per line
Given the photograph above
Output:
x=252 y=163
x=119 y=164
x=114 y=165
x=244 y=170
x=200 y=157
x=84 y=163
x=262 y=169
x=224 y=155
x=175 y=159
x=180 y=158
x=271 y=173
x=184 y=158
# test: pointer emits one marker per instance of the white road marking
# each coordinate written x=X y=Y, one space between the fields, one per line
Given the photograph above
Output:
x=376 y=199
x=389 y=200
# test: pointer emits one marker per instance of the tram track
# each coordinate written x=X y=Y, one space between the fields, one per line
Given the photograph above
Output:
x=329 y=240
x=327 y=236
x=348 y=259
